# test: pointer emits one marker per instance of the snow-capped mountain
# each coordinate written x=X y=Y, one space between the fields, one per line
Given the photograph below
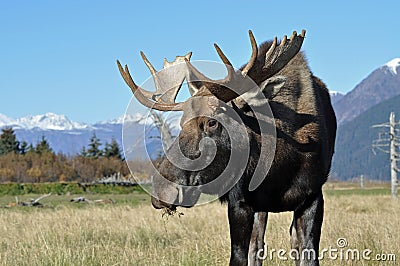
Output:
x=48 y=121
x=62 y=134
x=135 y=118
x=382 y=84
x=392 y=66
x=51 y=121
x=4 y=120
x=336 y=96
x=69 y=137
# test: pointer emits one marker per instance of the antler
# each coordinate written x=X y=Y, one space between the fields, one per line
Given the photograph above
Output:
x=168 y=83
x=275 y=59
x=278 y=56
x=216 y=87
x=254 y=53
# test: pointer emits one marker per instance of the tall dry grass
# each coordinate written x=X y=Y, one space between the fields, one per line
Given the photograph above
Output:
x=124 y=235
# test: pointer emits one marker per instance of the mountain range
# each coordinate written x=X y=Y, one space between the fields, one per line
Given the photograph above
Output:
x=336 y=96
x=65 y=135
x=69 y=137
x=370 y=102
x=382 y=84
x=354 y=154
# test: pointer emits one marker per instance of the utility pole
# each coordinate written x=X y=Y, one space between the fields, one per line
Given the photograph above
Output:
x=392 y=142
x=362 y=181
x=393 y=155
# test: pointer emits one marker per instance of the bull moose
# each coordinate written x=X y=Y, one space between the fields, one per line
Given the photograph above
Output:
x=301 y=127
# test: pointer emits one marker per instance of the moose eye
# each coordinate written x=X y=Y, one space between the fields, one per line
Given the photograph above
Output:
x=212 y=123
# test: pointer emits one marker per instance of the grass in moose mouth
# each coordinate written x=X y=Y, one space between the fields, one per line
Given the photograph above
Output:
x=166 y=212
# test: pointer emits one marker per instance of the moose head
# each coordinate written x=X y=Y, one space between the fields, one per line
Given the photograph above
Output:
x=212 y=120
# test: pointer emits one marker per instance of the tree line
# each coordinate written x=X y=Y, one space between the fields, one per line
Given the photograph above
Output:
x=27 y=163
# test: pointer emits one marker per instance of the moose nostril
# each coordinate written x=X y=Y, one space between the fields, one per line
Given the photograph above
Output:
x=201 y=126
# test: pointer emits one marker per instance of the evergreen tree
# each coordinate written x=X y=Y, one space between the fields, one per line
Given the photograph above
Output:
x=112 y=150
x=23 y=148
x=94 y=148
x=43 y=146
x=83 y=152
x=30 y=149
x=8 y=141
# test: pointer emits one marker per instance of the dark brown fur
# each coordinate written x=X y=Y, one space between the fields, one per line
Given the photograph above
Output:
x=306 y=130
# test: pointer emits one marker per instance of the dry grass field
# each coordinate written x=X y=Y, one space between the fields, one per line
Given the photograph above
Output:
x=127 y=234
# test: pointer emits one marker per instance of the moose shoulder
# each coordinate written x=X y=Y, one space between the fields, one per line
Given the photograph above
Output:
x=305 y=127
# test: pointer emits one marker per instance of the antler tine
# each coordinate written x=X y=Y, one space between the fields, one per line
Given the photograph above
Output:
x=127 y=77
x=294 y=34
x=283 y=42
x=271 y=49
x=279 y=55
x=143 y=96
x=253 y=57
x=129 y=81
x=220 y=88
x=153 y=71
x=226 y=61
x=222 y=55
x=216 y=87
x=198 y=76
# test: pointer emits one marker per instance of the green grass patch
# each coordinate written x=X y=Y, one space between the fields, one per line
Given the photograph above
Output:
x=60 y=201
x=358 y=191
x=62 y=193
x=64 y=188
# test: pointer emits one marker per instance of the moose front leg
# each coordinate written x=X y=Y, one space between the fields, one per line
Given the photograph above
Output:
x=257 y=239
x=241 y=218
x=306 y=230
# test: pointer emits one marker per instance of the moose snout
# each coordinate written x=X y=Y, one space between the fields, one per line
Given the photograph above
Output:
x=172 y=197
x=167 y=196
x=158 y=204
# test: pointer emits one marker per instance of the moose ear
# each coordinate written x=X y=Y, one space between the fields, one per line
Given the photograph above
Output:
x=272 y=86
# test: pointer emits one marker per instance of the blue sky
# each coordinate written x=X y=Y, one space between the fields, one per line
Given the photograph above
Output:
x=59 y=56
